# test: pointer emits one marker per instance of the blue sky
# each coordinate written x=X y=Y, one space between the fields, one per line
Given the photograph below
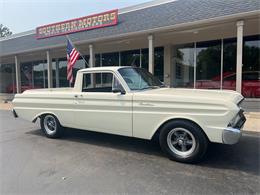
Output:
x=24 y=15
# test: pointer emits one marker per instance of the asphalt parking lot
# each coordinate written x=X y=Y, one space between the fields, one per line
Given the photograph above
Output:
x=91 y=163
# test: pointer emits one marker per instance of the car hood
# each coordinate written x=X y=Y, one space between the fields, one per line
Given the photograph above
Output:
x=193 y=94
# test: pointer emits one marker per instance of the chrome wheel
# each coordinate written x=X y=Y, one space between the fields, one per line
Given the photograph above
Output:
x=50 y=124
x=181 y=141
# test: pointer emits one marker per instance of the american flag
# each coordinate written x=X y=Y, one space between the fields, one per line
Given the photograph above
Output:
x=72 y=56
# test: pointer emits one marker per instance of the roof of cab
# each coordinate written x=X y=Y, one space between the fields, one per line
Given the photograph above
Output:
x=105 y=68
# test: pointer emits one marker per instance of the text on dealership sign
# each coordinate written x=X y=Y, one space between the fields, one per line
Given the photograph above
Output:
x=80 y=24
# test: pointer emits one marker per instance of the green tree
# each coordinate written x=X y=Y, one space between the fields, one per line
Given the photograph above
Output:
x=4 y=31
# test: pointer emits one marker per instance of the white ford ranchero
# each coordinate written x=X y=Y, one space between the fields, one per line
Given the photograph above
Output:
x=132 y=102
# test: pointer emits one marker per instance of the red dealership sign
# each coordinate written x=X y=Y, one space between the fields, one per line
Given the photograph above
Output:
x=80 y=24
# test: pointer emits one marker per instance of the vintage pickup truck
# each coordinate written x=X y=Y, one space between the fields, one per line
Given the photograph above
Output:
x=132 y=102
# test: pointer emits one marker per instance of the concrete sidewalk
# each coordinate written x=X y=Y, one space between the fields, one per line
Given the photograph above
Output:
x=252 y=123
x=5 y=106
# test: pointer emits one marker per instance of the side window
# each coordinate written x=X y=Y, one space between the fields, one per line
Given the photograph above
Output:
x=99 y=82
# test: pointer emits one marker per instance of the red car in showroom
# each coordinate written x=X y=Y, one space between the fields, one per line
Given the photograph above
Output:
x=250 y=83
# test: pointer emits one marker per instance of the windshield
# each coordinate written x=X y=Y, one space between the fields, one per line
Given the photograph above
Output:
x=140 y=79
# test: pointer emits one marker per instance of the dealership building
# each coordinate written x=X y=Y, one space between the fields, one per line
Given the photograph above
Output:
x=204 y=44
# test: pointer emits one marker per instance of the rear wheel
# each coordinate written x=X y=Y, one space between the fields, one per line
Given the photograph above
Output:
x=51 y=126
x=183 y=141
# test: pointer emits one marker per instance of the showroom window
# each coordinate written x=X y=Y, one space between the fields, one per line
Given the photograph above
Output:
x=198 y=65
x=159 y=63
x=229 y=64
x=184 y=66
x=136 y=58
x=63 y=82
x=251 y=67
x=145 y=58
x=34 y=75
x=97 y=60
x=7 y=78
x=208 y=65
x=130 y=58
x=55 y=76
x=110 y=59
x=39 y=75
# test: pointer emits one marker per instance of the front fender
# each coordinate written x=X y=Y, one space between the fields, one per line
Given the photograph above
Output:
x=174 y=118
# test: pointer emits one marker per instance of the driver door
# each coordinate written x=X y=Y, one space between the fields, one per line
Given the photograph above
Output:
x=100 y=109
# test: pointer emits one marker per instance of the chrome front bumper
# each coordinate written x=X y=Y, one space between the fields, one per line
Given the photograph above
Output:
x=231 y=135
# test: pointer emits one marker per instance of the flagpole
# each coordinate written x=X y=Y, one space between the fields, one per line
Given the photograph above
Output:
x=77 y=50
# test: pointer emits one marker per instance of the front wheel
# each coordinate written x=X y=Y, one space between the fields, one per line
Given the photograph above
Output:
x=51 y=126
x=183 y=141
